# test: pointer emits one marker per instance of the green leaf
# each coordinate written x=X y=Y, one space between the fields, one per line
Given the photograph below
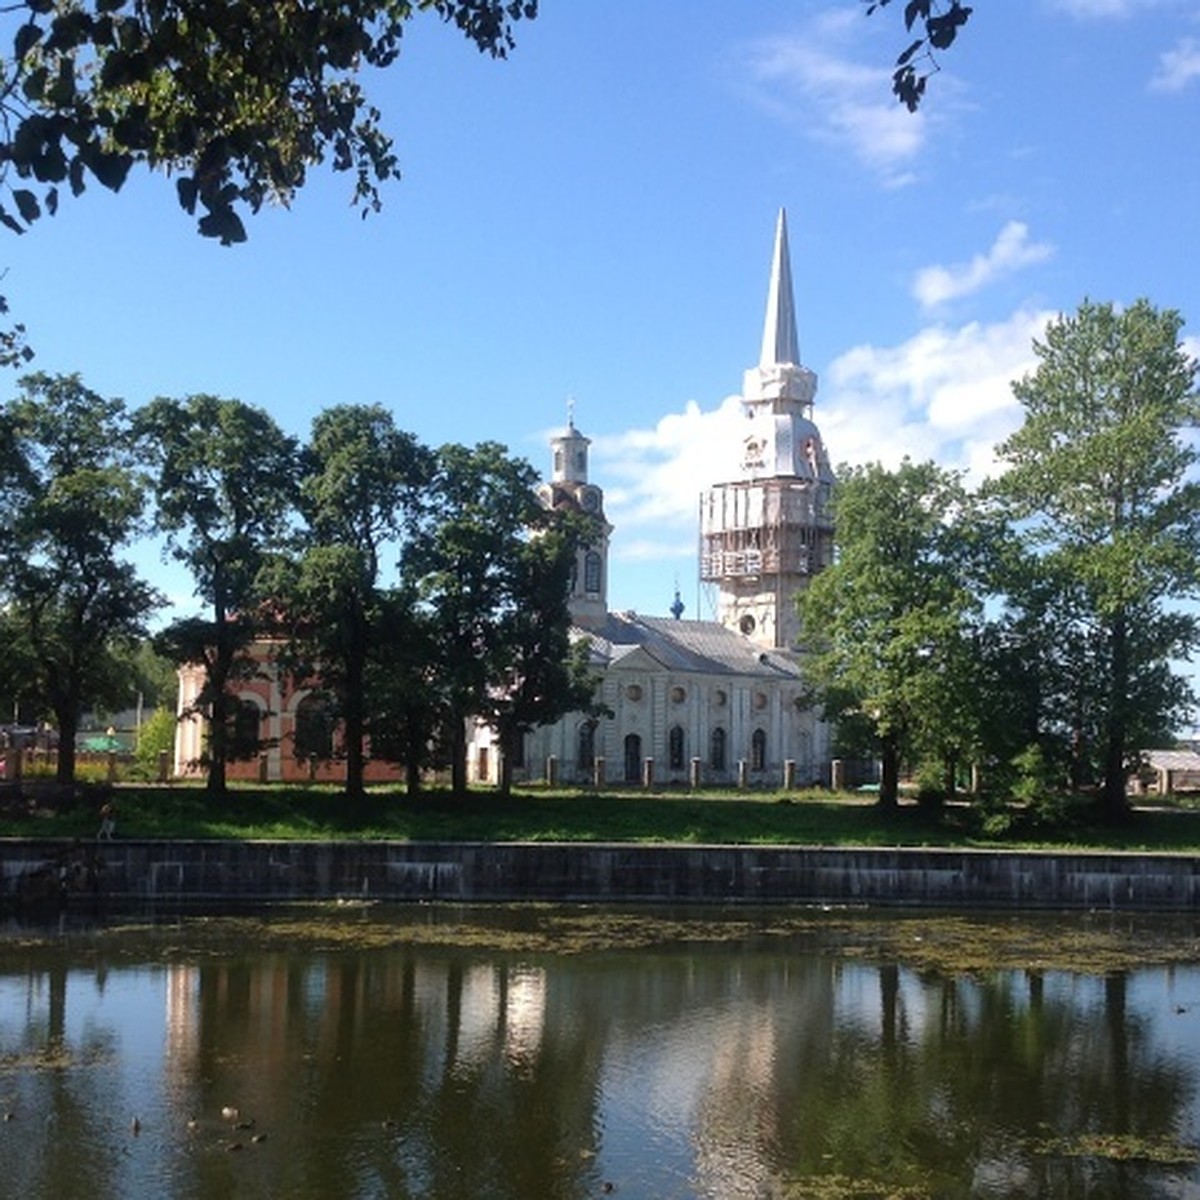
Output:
x=109 y=167
x=186 y=188
x=225 y=224
x=34 y=85
x=27 y=205
x=7 y=219
x=27 y=37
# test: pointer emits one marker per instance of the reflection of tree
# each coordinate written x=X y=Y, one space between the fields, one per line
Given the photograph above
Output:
x=62 y=1100
x=458 y=1073
x=999 y=1070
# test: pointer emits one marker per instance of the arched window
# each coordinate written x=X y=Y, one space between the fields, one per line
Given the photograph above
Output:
x=593 y=569
x=313 y=737
x=758 y=750
x=633 y=758
x=676 y=748
x=244 y=727
x=586 y=753
x=716 y=749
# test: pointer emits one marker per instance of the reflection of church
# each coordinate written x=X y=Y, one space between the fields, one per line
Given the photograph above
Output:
x=706 y=701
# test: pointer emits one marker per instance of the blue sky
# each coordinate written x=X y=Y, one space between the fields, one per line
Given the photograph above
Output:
x=593 y=218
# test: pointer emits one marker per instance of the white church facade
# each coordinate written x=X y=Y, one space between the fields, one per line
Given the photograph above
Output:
x=695 y=701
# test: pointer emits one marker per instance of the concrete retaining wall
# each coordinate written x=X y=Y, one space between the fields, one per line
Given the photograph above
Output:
x=466 y=871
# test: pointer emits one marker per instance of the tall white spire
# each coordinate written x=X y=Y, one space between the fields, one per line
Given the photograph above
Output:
x=780 y=345
x=779 y=380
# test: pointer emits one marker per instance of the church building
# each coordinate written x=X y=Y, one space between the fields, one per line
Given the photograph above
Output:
x=686 y=702
x=705 y=701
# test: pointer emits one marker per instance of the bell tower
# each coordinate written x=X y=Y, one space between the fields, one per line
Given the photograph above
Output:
x=568 y=487
x=767 y=531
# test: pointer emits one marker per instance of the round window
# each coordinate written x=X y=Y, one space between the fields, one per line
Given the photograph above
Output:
x=634 y=691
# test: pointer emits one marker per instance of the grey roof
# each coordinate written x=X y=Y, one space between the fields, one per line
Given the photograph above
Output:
x=703 y=647
x=1172 y=760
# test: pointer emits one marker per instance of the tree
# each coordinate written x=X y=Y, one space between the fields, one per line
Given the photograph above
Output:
x=887 y=628
x=75 y=503
x=1099 y=487
x=938 y=25
x=543 y=676
x=236 y=99
x=409 y=705
x=225 y=479
x=360 y=493
x=497 y=601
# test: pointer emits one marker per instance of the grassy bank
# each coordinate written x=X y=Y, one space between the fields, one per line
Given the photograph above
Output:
x=811 y=818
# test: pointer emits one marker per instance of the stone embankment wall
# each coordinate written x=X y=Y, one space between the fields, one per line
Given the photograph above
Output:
x=203 y=871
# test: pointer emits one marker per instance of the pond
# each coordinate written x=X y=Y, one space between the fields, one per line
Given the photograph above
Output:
x=560 y=1054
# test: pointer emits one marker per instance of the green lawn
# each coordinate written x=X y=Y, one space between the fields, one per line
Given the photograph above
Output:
x=812 y=818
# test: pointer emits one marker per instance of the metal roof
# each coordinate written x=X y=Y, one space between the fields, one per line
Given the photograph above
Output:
x=701 y=647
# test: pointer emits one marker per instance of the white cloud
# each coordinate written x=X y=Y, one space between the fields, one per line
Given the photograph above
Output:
x=1177 y=67
x=803 y=78
x=945 y=394
x=653 y=477
x=1090 y=9
x=1011 y=251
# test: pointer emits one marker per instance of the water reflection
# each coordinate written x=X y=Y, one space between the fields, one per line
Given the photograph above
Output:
x=747 y=1068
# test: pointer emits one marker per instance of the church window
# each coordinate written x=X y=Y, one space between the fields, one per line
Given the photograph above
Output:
x=678 y=695
x=313 y=737
x=633 y=758
x=716 y=749
x=676 y=748
x=244 y=730
x=586 y=755
x=758 y=751
x=634 y=691
x=558 y=462
x=593 y=566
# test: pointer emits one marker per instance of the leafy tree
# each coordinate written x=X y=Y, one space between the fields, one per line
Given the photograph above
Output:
x=225 y=479
x=360 y=495
x=482 y=502
x=156 y=736
x=409 y=705
x=544 y=676
x=481 y=581
x=1099 y=486
x=938 y=25
x=236 y=99
x=75 y=503
x=888 y=627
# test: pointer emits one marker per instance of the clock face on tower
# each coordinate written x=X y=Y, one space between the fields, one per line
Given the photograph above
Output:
x=590 y=499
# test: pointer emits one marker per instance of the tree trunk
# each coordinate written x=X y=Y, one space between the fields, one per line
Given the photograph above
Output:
x=68 y=727
x=458 y=755
x=1114 y=800
x=889 y=772
x=354 y=732
x=507 y=739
